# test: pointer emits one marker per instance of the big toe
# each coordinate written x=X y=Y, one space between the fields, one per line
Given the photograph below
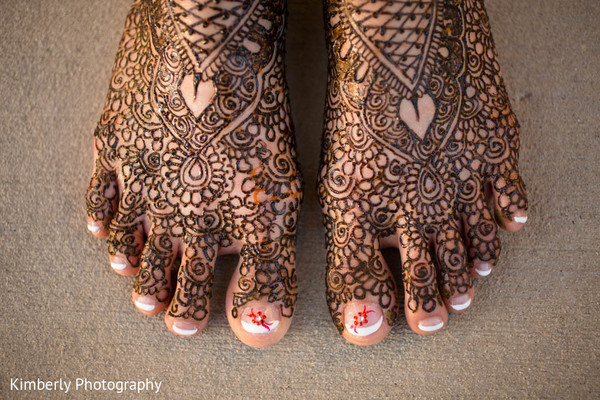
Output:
x=364 y=323
x=259 y=324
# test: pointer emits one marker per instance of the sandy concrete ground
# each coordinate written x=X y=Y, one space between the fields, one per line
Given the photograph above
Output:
x=531 y=333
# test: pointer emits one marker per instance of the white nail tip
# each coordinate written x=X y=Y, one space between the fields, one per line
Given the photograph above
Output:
x=185 y=332
x=118 y=266
x=366 y=330
x=460 y=307
x=94 y=228
x=144 y=306
x=431 y=328
x=253 y=328
x=520 y=220
x=483 y=272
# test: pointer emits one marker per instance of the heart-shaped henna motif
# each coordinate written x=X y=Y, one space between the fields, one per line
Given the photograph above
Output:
x=410 y=65
x=417 y=114
x=197 y=94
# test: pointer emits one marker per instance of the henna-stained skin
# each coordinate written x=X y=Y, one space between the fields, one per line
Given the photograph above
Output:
x=417 y=124
x=196 y=141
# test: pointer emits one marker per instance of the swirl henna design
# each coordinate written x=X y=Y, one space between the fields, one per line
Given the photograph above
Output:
x=195 y=155
x=419 y=138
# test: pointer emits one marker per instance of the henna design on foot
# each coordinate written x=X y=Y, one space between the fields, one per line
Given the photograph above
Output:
x=419 y=140
x=195 y=154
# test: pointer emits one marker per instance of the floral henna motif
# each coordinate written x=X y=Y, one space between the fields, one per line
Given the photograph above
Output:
x=259 y=319
x=361 y=319
x=196 y=138
x=417 y=123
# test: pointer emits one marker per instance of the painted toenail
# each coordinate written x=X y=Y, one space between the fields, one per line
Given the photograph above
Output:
x=363 y=319
x=185 y=328
x=145 y=304
x=259 y=320
x=461 y=302
x=483 y=269
x=431 y=324
x=94 y=228
x=118 y=265
x=520 y=220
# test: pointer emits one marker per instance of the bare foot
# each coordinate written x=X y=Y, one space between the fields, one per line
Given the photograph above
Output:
x=195 y=157
x=420 y=143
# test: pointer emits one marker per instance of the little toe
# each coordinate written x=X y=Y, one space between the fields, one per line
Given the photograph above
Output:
x=101 y=200
x=510 y=203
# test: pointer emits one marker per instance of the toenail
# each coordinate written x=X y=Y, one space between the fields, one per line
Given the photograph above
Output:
x=363 y=319
x=461 y=302
x=260 y=319
x=431 y=324
x=185 y=328
x=483 y=269
x=520 y=220
x=93 y=228
x=145 y=304
x=118 y=265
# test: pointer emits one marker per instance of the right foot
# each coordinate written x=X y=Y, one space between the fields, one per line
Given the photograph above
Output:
x=195 y=157
x=420 y=141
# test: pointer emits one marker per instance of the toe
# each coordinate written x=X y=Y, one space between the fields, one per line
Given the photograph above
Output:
x=125 y=245
x=459 y=302
x=189 y=309
x=262 y=292
x=153 y=285
x=481 y=238
x=510 y=203
x=423 y=306
x=359 y=282
x=364 y=323
x=454 y=279
x=101 y=200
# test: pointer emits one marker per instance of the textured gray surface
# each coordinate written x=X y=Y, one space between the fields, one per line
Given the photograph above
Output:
x=531 y=333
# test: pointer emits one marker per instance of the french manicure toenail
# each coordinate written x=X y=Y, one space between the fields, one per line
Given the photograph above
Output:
x=255 y=320
x=144 y=305
x=185 y=328
x=431 y=324
x=483 y=269
x=94 y=228
x=460 y=303
x=520 y=220
x=363 y=321
x=118 y=265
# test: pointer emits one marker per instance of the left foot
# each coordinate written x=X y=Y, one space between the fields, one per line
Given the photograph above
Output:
x=195 y=157
x=420 y=141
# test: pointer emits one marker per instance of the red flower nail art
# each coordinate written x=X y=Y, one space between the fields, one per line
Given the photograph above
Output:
x=259 y=319
x=361 y=319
